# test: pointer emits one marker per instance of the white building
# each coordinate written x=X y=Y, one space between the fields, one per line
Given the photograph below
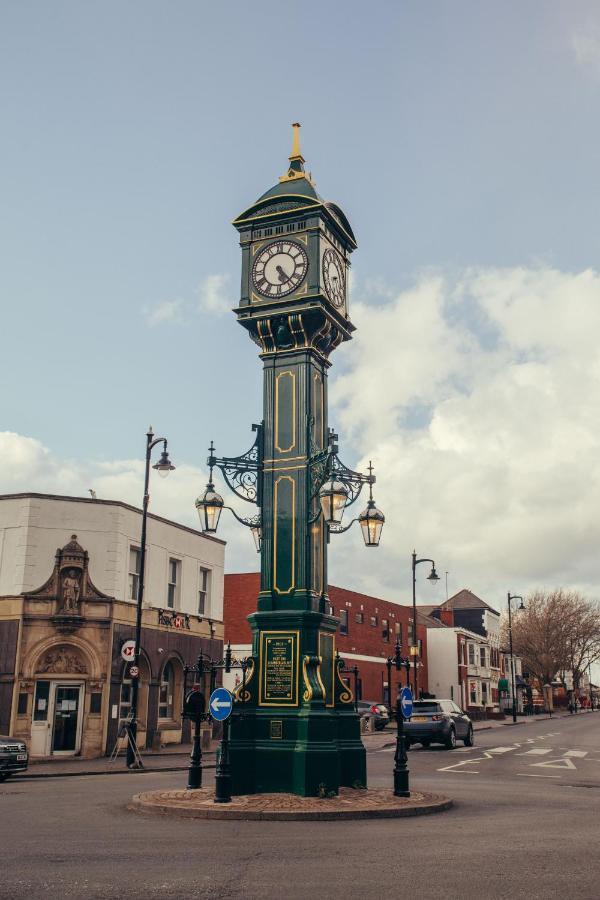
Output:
x=69 y=576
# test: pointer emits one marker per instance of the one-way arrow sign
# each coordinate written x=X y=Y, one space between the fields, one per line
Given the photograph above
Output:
x=220 y=704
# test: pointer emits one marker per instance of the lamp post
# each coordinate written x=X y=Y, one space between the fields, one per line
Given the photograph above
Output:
x=512 y=597
x=414 y=649
x=163 y=467
x=398 y=661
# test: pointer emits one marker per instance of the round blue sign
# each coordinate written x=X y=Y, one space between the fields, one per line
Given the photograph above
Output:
x=220 y=704
x=406 y=702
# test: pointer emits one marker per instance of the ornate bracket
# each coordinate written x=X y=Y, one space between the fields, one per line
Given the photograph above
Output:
x=326 y=464
x=242 y=472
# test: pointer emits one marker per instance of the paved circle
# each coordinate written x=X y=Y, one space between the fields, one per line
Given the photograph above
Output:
x=349 y=804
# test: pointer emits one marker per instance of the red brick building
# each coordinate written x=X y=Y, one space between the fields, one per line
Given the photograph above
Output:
x=366 y=636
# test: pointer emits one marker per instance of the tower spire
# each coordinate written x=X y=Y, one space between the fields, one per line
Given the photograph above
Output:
x=296 y=166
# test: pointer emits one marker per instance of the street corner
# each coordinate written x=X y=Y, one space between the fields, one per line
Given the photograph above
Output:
x=348 y=804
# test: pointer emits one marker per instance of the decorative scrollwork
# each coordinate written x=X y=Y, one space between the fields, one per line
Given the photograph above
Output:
x=242 y=472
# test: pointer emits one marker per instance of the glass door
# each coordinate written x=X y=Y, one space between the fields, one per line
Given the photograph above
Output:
x=66 y=719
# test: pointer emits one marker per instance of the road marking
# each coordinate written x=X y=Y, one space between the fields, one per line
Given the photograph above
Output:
x=537 y=751
x=577 y=753
x=529 y=775
x=500 y=749
x=465 y=762
x=556 y=764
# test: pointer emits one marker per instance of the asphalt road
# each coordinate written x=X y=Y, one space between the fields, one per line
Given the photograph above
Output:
x=525 y=824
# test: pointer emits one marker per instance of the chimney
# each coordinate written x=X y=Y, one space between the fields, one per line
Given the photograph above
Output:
x=447 y=617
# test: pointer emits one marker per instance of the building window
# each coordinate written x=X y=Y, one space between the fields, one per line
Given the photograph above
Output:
x=471 y=655
x=484 y=693
x=173 y=586
x=329 y=609
x=134 y=572
x=385 y=630
x=166 y=692
x=373 y=621
x=204 y=592
x=343 y=621
x=398 y=630
x=359 y=618
x=411 y=632
x=420 y=646
x=473 y=693
x=482 y=656
x=40 y=703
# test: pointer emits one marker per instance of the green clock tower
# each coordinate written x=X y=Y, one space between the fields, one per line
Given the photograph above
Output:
x=294 y=727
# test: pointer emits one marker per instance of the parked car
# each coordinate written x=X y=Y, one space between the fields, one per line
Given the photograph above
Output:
x=377 y=712
x=13 y=757
x=438 y=722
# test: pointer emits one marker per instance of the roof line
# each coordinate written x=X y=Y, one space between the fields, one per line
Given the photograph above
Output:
x=121 y=503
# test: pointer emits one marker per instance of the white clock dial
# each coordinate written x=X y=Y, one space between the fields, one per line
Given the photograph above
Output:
x=334 y=277
x=279 y=268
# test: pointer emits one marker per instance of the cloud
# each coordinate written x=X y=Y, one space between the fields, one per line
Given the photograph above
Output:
x=212 y=295
x=586 y=47
x=32 y=467
x=478 y=399
x=167 y=311
x=476 y=395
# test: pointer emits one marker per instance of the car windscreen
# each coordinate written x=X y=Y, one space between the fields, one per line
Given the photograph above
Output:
x=421 y=707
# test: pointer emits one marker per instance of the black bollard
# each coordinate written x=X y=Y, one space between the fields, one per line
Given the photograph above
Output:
x=223 y=773
x=401 y=787
x=195 y=769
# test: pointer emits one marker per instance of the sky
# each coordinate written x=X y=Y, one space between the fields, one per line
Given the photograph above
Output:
x=461 y=139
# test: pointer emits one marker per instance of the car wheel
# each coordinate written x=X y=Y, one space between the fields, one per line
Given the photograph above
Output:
x=426 y=744
x=470 y=738
x=450 y=742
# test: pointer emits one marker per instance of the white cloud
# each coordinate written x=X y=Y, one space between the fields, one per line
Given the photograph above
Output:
x=586 y=47
x=167 y=311
x=478 y=399
x=213 y=297
x=32 y=467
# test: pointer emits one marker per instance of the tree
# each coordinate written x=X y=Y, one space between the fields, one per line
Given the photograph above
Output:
x=557 y=631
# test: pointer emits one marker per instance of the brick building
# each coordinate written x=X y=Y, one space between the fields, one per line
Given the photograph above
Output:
x=366 y=636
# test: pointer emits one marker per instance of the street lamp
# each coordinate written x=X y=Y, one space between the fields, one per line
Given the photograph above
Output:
x=414 y=650
x=512 y=597
x=398 y=661
x=163 y=467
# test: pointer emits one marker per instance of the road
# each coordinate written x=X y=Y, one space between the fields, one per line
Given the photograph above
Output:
x=525 y=825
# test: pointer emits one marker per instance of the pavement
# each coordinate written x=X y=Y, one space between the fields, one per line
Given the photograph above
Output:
x=175 y=758
x=524 y=826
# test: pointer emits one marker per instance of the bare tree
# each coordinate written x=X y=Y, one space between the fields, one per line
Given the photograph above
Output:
x=557 y=631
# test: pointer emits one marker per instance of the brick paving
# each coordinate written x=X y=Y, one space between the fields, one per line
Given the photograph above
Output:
x=349 y=804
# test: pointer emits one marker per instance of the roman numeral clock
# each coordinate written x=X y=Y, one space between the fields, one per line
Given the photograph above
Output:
x=294 y=727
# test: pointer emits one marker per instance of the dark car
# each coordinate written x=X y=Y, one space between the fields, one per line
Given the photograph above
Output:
x=376 y=712
x=438 y=722
x=13 y=756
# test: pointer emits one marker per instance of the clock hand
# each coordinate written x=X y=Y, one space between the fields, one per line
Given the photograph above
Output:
x=283 y=276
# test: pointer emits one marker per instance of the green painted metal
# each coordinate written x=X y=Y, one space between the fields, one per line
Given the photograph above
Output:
x=294 y=727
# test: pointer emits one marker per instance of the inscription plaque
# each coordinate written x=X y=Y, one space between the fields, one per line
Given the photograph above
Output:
x=279 y=668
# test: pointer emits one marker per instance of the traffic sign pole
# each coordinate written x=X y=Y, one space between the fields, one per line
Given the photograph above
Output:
x=220 y=705
x=403 y=710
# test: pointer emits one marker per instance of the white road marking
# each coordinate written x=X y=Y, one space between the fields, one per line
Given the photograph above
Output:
x=556 y=764
x=577 y=753
x=537 y=751
x=529 y=775
x=465 y=762
x=500 y=749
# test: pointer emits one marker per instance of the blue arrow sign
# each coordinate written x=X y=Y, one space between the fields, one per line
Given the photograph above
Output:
x=220 y=704
x=406 y=702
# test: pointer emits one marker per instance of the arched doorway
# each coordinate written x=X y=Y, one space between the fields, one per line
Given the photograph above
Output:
x=60 y=679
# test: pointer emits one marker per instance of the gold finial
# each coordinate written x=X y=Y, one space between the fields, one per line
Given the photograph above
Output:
x=296 y=154
x=296 y=166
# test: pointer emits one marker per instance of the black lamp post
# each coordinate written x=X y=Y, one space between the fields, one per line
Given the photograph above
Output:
x=163 y=467
x=414 y=650
x=398 y=661
x=512 y=597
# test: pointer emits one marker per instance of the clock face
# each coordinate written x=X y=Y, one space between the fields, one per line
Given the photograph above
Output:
x=279 y=268
x=334 y=277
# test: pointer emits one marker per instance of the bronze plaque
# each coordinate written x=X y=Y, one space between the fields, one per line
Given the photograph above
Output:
x=279 y=668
